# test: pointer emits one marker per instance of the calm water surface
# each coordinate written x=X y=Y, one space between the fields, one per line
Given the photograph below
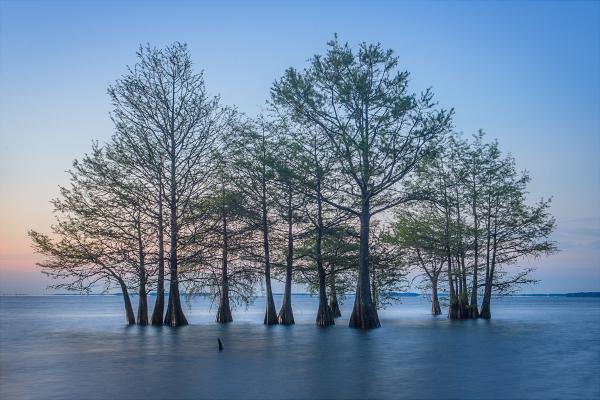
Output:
x=77 y=347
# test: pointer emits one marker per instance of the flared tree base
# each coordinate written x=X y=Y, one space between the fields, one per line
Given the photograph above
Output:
x=270 y=313
x=334 y=308
x=435 y=308
x=324 y=316
x=142 y=317
x=474 y=312
x=142 y=320
x=459 y=309
x=485 y=312
x=364 y=315
x=129 y=315
x=130 y=318
x=175 y=316
x=270 y=318
x=224 y=315
x=224 y=312
x=157 y=313
x=286 y=315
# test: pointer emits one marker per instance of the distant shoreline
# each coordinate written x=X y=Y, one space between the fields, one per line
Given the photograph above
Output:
x=408 y=294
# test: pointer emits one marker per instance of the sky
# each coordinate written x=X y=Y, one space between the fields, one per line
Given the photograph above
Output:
x=527 y=73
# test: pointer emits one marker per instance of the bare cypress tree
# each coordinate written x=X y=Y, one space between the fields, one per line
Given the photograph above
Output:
x=286 y=314
x=389 y=269
x=515 y=230
x=288 y=202
x=477 y=161
x=457 y=204
x=437 y=181
x=164 y=106
x=420 y=234
x=312 y=172
x=334 y=304
x=475 y=216
x=314 y=165
x=255 y=178
x=100 y=232
x=377 y=129
x=340 y=249
x=80 y=264
x=147 y=200
x=159 y=304
x=223 y=237
x=335 y=276
x=122 y=204
x=144 y=165
x=472 y=183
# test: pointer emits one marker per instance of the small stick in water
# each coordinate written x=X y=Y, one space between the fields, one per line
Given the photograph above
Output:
x=220 y=344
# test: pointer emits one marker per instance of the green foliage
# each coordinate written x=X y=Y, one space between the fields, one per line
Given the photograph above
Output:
x=345 y=147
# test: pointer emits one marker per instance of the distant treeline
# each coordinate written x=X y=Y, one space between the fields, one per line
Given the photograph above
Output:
x=347 y=183
x=406 y=294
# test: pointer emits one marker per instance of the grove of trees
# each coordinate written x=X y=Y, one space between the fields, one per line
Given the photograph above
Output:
x=349 y=184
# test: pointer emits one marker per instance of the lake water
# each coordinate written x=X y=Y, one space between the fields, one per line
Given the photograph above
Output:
x=77 y=347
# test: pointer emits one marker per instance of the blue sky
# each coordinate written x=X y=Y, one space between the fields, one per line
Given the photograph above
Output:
x=528 y=73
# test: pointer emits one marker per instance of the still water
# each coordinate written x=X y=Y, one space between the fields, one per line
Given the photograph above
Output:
x=77 y=347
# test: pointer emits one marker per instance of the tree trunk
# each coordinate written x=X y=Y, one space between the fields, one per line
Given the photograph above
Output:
x=142 y=317
x=463 y=298
x=486 y=312
x=460 y=286
x=435 y=302
x=333 y=300
x=129 y=315
x=224 y=311
x=485 y=304
x=473 y=307
x=270 y=312
x=324 y=316
x=374 y=296
x=159 y=305
x=453 y=306
x=463 y=302
x=486 y=309
x=174 y=316
x=465 y=313
x=364 y=315
x=286 y=316
x=462 y=305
